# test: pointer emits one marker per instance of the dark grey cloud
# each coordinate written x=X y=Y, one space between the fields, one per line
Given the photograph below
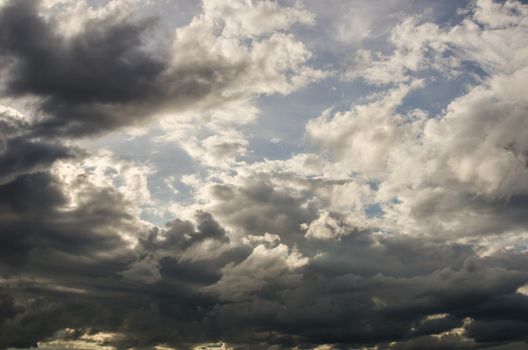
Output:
x=44 y=244
x=74 y=268
x=63 y=268
x=103 y=64
x=352 y=306
x=257 y=207
x=34 y=223
x=21 y=155
x=384 y=295
x=181 y=234
x=77 y=79
x=101 y=78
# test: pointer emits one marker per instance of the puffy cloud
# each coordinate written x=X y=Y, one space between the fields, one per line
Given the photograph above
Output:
x=257 y=18
x=72 y=241
x=364 y=137
x=455 y=173
x=472 y=158
x=403 y=228
x=417 y=47
x=326 y=227
x=493 y=35
x=104 y=170
x=196 y=67
x=265 y=266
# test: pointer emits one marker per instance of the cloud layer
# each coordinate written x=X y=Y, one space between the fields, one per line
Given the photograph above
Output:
x=143 y=205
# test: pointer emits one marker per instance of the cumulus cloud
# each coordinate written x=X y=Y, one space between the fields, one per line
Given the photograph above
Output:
x=492 y=35
x=265 y=266
x=395 y=223
x=364 y=137
x=466 y=162
x=200 y=65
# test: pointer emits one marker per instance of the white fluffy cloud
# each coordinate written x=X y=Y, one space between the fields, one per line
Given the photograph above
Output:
x=446 y=174
x=250 y=41
x=493 y=35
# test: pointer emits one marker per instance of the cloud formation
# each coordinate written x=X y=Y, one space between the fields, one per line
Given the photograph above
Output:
x=142 y=207
x=111 y=74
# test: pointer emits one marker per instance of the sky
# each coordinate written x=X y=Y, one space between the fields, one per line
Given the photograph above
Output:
x=258 y=174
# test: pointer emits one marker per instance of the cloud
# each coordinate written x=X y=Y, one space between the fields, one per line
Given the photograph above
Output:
x=194 y=68
x=352 y=137
x=390 y=226
x=265 y=266
x=258 y=18
x=71 y=243
x=19 y=153
x=435 y=172
x=491 y=35
x=326 y=227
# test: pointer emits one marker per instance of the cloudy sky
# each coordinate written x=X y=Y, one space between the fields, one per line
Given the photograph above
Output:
x=257 y=174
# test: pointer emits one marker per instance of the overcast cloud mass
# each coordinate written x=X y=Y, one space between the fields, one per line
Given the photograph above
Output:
x=259 y=174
